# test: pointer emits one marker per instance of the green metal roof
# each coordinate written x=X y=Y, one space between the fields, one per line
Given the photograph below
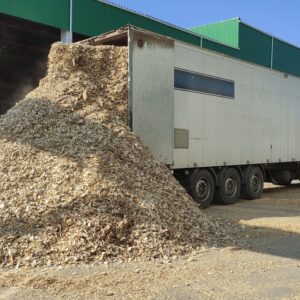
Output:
x=93 y=17
x=226 y=31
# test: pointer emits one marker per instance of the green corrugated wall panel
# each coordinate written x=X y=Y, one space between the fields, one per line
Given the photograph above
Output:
x=93 y=18
x=211 y=45
x=49 y=12
x=226 y=32
x=286 y=58
x=254 y=46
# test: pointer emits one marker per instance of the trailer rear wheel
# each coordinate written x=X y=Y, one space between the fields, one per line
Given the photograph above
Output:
x=286 y=183
x=282 y=177
x=230 y=186
x=254 y=183
x=202 y=187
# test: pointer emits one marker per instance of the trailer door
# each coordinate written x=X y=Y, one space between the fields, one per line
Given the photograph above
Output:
x=151 y=92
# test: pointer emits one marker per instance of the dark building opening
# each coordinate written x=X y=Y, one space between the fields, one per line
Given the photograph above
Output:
x=24 y=47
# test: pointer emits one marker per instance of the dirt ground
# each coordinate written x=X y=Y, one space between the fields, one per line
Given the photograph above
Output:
x=264 y=265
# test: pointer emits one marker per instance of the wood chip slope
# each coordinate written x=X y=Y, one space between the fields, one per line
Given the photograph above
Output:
x=76 y=185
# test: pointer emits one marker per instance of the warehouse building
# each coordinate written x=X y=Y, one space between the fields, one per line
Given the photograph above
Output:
x=29 y=27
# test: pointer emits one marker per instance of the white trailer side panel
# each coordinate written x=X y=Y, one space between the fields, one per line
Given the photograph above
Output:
x=151 y=92
x=260 y=125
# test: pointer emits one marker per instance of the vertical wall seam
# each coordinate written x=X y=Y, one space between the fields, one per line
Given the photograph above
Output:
x=272 y=53
x=71 y=19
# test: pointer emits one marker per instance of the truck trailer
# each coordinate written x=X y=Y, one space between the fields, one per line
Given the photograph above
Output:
x=222 y=125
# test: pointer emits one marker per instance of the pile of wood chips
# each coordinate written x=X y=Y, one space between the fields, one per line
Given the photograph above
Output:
x=76 y=185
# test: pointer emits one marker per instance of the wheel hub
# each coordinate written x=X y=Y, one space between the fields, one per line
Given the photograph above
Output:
x=230 y=186
x=255 y=183
x=202 y=189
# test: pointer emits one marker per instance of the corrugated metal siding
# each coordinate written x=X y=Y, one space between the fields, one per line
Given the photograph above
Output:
x=211 y=45
x=286 y=58
x=49 y=12
x=93 y=18
x=226 y=32
x=254 y=46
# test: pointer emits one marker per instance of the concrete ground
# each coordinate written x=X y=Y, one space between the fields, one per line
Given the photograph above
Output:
x=266 y=264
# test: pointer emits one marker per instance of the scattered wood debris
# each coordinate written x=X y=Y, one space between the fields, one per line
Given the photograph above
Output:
x=76 y=185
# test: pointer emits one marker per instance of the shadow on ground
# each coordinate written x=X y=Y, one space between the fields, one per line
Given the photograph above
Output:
x=269 y=225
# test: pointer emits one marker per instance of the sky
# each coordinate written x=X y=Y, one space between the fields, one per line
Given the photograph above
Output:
x=280 y=18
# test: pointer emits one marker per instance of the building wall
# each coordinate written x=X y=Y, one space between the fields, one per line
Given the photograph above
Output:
x=286 y=58
x=255 y=47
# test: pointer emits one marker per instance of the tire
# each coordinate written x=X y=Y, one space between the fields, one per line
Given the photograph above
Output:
x=254 y=183
x=287 y=183
x=202 y=187
x=282 y=183
x=282 y=177
x=230 y=187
